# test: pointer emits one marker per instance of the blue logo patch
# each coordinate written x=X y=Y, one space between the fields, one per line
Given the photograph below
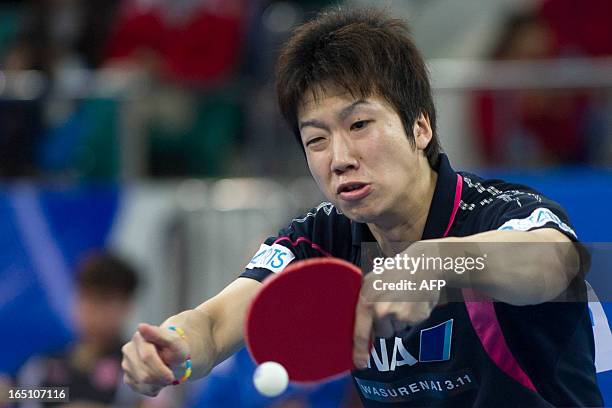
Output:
x=435 y=342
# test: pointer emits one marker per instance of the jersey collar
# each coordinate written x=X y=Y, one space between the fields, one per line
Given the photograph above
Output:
x=441 y=211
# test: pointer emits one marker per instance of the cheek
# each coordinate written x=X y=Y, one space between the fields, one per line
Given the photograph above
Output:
x=391 y=161
x=398 y=143
x=317 y=170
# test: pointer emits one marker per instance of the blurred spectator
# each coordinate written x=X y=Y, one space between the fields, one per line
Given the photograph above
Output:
x=20 y=129
x=20 y=120
x=91 y=367
x=546 y=127
x=519 y=128
x=10 y=16
x=578 y=28
x=49 y=36
x=182 y=44
x=181 y=40
x=56 y=34
x=585 y=31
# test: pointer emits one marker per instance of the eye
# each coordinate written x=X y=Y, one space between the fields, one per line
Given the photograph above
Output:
x=360 y=124
x=313 y=141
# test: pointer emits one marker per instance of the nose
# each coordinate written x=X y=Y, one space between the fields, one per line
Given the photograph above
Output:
x=343 y=155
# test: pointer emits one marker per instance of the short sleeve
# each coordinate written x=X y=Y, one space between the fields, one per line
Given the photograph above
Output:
x=307 y=236
x=518 y=210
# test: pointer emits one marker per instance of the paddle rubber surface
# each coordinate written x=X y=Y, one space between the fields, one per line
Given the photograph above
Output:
x=303 y=318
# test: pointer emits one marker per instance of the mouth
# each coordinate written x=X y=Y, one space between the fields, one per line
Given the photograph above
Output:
x=353 y=191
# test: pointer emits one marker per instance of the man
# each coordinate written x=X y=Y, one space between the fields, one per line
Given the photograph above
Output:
x=355 y=92
x=91 y=366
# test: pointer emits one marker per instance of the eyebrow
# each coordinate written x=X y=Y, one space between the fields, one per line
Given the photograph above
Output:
x=314 y=123
x=343 y=114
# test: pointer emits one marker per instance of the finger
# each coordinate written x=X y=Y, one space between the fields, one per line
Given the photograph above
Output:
x=171 y=349
x=416 y=312
x=127 y=379
x=384 y=313
x=399 y=325
x=133 y=369
x=146 y=359
x=137 y=369
x=383 y=326
x=403 y=316
x=362 y=333
x=139 y=373
x=126 y=363
x=157 y=335
x=130 y=377
x=158 y=371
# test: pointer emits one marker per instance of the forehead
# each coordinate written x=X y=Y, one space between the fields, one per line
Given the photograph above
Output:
x=333 y=99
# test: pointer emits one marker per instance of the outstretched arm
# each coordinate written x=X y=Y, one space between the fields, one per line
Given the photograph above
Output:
x=213 y=331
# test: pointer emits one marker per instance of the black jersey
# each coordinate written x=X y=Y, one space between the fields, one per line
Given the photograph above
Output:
x=483 y=354
x=101 y=384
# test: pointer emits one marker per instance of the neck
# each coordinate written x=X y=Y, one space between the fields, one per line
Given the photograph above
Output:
x=407 y=225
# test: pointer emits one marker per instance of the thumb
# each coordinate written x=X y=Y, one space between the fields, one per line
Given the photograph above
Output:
x=171 y=348
x=364 y=322
x=156 y=335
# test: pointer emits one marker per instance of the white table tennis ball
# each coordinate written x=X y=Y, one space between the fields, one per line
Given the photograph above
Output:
x=270 y=379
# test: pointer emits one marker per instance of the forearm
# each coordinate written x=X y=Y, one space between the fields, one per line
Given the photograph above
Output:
x=521 y=268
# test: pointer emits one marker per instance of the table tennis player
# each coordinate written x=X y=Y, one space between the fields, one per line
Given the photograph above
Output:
x=355 y=92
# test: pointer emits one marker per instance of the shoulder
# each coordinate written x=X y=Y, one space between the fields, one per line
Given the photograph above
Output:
x=325 y=212
x=480 y=194
x=322 y=226
x=322 y=231
x=489 y=204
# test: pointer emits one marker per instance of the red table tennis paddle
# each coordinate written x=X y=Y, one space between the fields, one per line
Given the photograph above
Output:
x=303 y=318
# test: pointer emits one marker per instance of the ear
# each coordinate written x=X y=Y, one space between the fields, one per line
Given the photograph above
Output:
x=422 y=132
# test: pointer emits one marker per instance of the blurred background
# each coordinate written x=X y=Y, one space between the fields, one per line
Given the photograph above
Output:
x=148 y=129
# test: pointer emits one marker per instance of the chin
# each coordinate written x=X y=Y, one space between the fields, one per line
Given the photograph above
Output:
x=360 y=214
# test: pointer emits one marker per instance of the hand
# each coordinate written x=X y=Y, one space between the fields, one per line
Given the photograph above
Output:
x=153 y=359
x=383 y=309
